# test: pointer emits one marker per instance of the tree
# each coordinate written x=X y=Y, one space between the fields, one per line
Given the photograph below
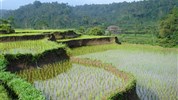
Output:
x=37 y=4
x=95 y=31
x=5 y=26
x=168 y=32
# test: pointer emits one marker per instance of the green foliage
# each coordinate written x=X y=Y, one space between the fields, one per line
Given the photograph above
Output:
x=23 y=89
x=131 y=16
x=169 y=29
x=5 y=26
x=3 y=93
x=81 y=30
x=95 y=31
x=3 y=63
x=138 y=38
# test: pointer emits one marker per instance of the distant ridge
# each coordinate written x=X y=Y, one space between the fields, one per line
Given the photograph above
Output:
x=129 y=16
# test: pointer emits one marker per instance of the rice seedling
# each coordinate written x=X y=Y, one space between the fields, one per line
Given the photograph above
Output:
x=31 y=46
x=126 y=47
x=79 y=82
x=155 y=70
x=45 y=72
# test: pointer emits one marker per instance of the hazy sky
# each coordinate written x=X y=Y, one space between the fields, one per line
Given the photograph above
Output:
x=14 y=4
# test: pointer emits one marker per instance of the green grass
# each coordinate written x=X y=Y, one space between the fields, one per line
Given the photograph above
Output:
x=83 y=37
x=30 y=46
x=19 y=34
x=37 y=31
x=138 y=38
x=154 y=67
x=124 y=46
x=24 y=32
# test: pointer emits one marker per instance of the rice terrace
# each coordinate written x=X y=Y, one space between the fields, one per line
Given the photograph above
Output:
x=117 y=50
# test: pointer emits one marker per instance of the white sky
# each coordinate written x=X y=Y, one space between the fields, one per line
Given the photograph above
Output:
x=14 y=4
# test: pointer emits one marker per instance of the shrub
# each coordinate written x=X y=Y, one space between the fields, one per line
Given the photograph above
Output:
x=95 y=31
x=23 y=89
x=169 y=29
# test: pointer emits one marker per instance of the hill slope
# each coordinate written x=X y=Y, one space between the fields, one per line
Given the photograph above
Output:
x=133 y=16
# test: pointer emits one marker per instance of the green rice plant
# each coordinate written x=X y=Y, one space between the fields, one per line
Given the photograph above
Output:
x=124 y=46
x=30 y=46
x=45 y=72
x=127 y=79
x=79 y=82
x=155 y=69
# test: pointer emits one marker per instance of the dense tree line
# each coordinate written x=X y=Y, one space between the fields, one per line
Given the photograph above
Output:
x=138 y=16
x=168 y=33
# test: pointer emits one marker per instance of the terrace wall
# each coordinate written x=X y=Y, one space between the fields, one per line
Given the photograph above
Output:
x=26 y=61
x=58 y=35
x=20 y=38
x=66 y=35
x=89 y=42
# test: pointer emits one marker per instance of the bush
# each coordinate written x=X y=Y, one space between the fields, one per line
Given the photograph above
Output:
x=3 y=63
x=19 y=87
x=5 y=27
x=95 y=31
x=168 y=35
x=23 y=89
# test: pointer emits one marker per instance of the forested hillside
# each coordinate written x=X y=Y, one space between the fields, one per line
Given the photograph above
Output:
x=137 y=16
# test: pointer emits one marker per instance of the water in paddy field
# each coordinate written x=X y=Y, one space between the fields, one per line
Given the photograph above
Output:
x=156 y=72
x=79 y=83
